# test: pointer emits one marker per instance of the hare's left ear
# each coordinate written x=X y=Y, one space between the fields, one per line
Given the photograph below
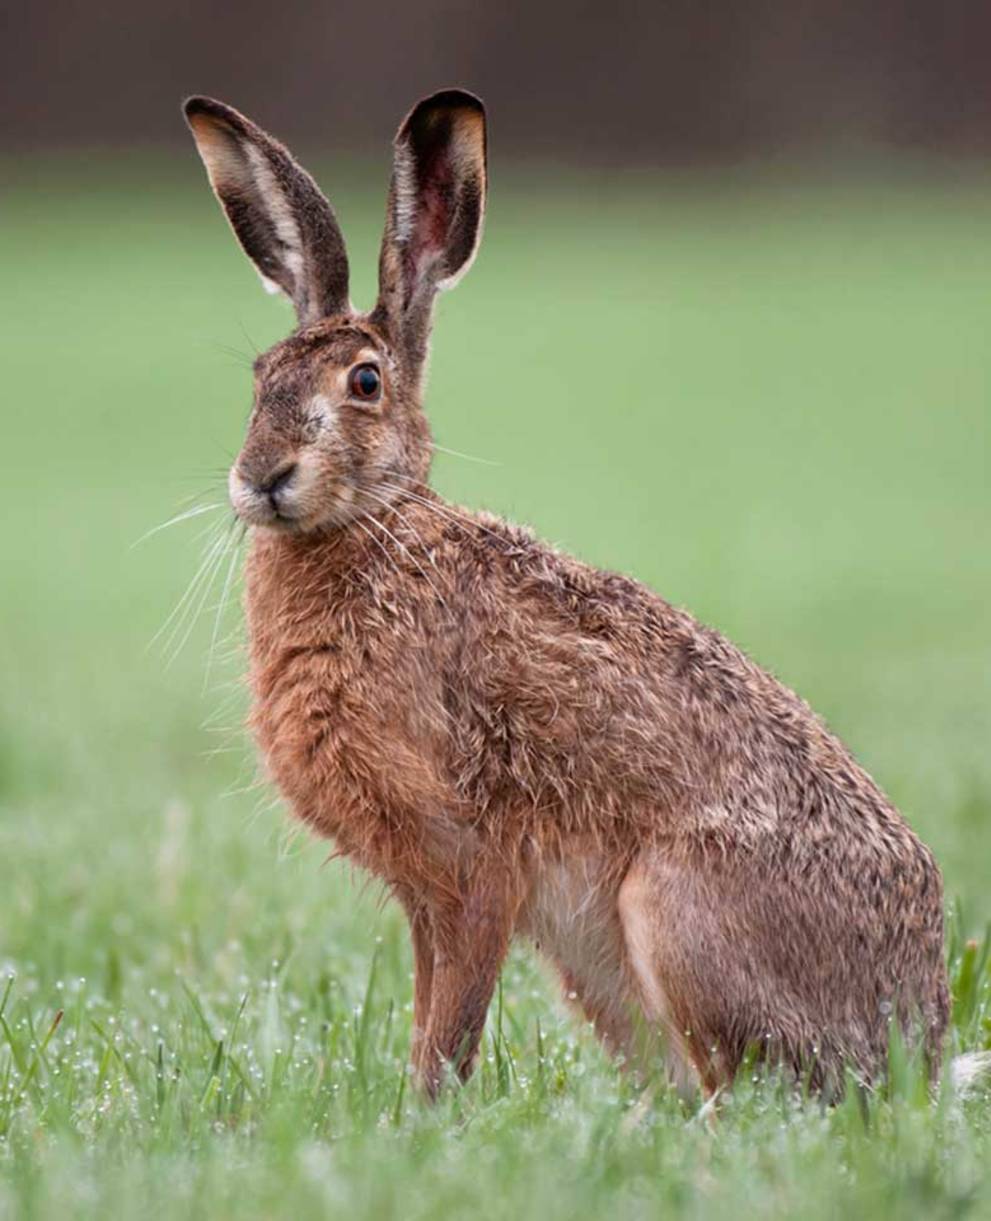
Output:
x=278 y=213
x=434 y=217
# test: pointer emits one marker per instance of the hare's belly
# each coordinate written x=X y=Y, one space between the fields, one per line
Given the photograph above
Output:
x=572 y=916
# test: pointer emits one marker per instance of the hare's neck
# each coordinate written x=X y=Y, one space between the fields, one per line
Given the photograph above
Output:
x=295 y=588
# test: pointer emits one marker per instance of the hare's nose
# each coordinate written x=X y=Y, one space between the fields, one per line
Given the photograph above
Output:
x=271 y=485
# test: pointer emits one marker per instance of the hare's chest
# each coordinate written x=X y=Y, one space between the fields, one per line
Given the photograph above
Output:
x=353 y=759
x=309 y=722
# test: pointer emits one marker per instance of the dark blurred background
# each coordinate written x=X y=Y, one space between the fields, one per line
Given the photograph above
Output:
x=664 y=83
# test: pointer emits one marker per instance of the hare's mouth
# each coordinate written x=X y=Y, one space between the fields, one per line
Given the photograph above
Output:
x=294 y=518
x=271 y=498
x=280 y=520
x=268 y=517
x=288 y=517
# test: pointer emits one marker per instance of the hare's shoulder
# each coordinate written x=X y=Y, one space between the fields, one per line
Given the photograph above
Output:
x=517 y=572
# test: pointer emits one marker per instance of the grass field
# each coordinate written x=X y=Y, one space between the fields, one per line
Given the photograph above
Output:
x=769 y=400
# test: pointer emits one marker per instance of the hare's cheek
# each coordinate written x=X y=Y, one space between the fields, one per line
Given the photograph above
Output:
x=321 y=417
x=385 y=448
x=238 y=492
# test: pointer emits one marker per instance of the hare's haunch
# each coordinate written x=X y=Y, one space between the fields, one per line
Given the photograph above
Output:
x=515 y=742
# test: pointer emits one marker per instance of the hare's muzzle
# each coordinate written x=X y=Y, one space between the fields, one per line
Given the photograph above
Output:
x=264 y=497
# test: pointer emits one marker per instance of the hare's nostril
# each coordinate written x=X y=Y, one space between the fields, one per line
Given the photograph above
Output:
x=273 y=484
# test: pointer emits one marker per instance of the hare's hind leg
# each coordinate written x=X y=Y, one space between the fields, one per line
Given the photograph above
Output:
x=728 y=961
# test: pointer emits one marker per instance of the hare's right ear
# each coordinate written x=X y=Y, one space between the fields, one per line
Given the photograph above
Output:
x=278 y=213
x=434 y=218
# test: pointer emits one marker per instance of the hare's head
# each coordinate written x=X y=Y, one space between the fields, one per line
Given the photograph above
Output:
x=337 y=427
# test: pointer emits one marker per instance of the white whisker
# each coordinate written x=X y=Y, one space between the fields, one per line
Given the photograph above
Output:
x=373 y=492
x=225 y=591
x=456 y=453
x=183 y=629
x=412 y=557
x=381 y=546
x=195 y=511
x=215 y=529
x=444 y=510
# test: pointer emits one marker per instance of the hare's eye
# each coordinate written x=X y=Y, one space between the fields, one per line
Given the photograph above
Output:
x=366 y=384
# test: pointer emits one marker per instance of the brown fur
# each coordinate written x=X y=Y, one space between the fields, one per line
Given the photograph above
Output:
x=518 y=743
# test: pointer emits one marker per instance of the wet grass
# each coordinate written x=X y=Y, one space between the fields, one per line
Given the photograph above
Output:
x=768 y=400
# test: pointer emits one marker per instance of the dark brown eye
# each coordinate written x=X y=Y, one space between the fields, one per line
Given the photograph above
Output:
x=366 y=383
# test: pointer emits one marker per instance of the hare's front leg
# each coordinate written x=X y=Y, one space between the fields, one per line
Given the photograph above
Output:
x=422 y=937
x=471 y=935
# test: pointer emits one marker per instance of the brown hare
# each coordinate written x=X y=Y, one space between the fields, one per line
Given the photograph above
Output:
x=515 y=742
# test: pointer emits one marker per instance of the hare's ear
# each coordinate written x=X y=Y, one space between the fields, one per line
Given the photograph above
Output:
x=278 y=213
x=434 y=217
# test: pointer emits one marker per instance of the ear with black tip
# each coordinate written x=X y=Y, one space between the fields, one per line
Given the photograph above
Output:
x=278 y=213
x=434 y=218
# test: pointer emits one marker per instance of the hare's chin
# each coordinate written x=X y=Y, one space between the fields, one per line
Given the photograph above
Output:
x=262 y=513
x=331 y=518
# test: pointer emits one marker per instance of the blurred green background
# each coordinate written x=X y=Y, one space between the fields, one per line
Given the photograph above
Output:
x=756 y=378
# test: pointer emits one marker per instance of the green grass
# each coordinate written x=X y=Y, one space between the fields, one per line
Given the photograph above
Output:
x=768 y=400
